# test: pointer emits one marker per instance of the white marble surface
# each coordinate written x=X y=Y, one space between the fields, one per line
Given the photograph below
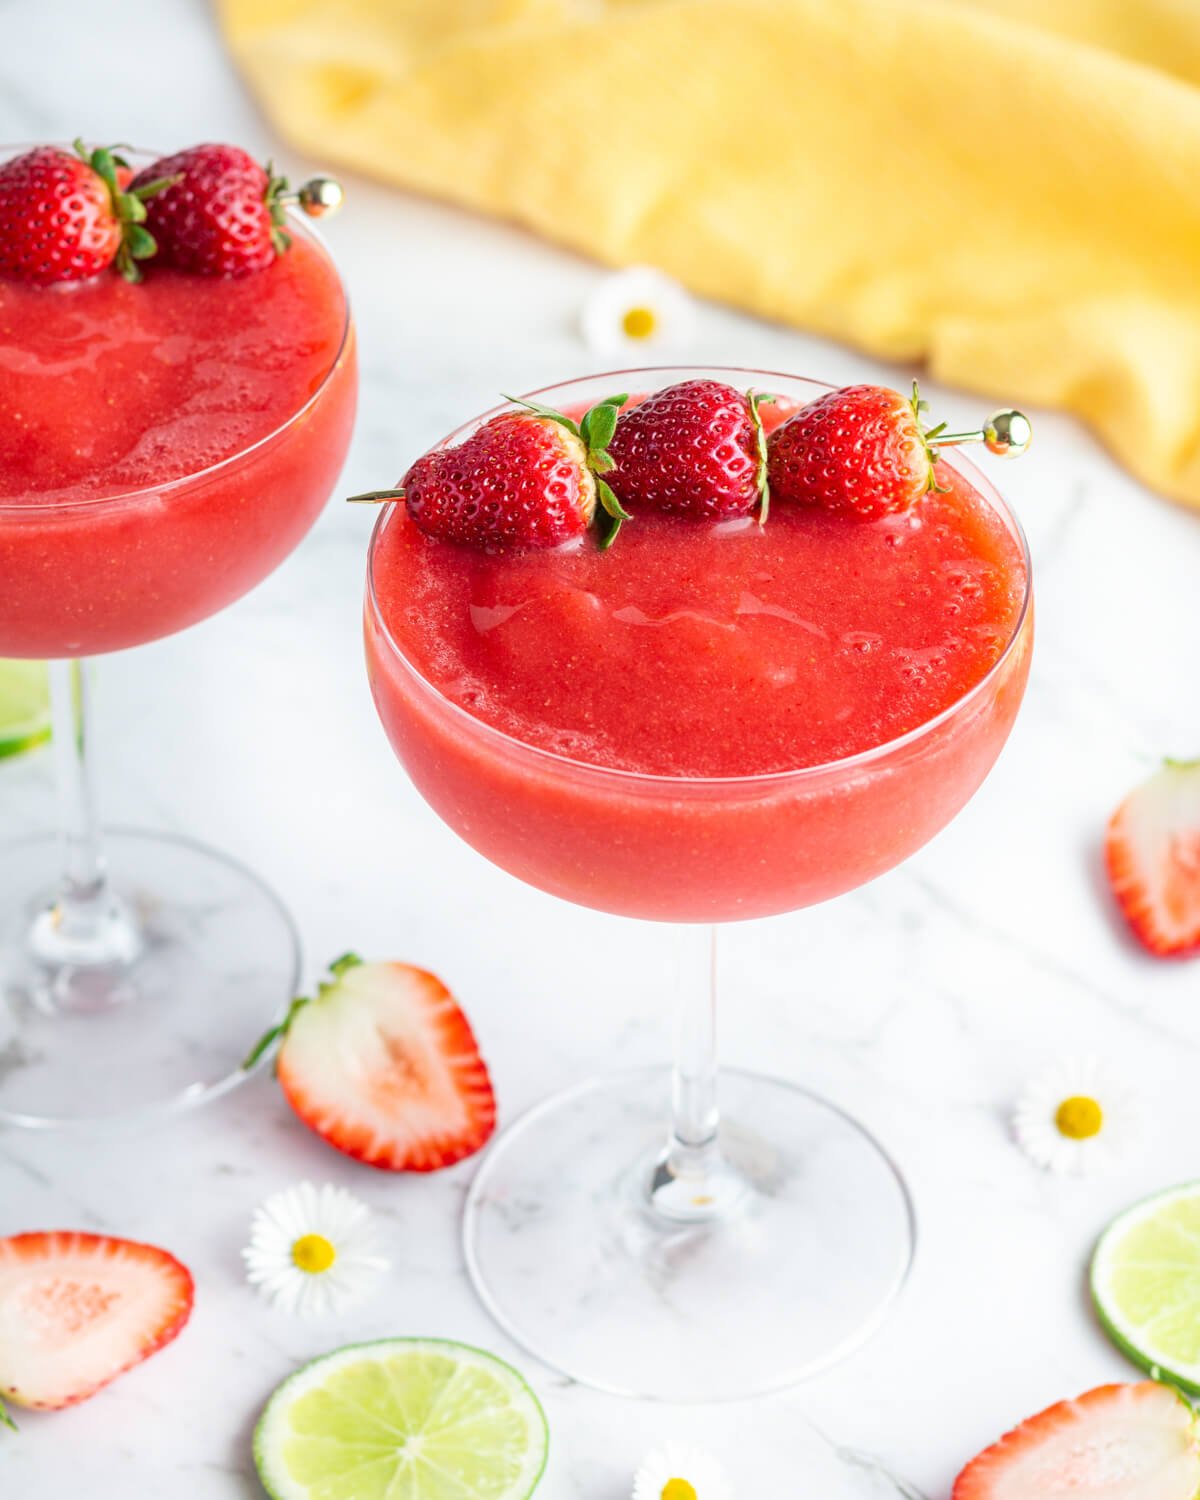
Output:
x=920 y=1003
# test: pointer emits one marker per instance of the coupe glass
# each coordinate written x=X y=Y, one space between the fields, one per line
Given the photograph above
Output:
x=626 y=1231
x=140 y=990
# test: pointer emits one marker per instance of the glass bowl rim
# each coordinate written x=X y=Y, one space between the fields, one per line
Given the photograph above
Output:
x=860 y=760
x=298 y=221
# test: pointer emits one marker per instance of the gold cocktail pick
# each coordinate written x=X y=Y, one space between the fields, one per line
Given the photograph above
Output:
x=318 y=197
x=1006 y=433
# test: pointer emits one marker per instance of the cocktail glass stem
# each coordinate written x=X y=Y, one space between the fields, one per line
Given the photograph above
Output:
x=84 y=936
x=692 y=1181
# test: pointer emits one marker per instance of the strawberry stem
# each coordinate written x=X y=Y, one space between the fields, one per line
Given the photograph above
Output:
x=755 y=399
x=545 y=411
x=275 y=196
x=137 y=243
x=344 y=964
x=6 y=1419
x=273 y=1034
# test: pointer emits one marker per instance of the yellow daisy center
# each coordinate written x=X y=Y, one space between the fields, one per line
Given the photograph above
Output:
x=313 y=1253
x=1079 y=1118
x=641 y=323
x=678 y=1489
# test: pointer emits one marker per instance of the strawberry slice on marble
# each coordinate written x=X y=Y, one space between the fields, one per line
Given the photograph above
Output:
x=1152 y=852
x=383 y=1065
x=78 y=1309
x=1118 y=1442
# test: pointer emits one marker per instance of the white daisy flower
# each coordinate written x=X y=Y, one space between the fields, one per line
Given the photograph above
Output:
x=677 y=1472
x=635 y=311
x=312 y=1250
x=1076 y=1117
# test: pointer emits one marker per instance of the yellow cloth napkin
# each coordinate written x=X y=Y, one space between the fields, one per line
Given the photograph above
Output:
x=1008 y=189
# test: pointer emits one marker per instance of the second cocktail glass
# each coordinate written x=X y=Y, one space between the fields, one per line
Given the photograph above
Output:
x=762 y=1234
x=136 y=969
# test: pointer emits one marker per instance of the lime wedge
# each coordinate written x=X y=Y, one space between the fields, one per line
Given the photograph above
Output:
x=425 y=1419
x=1145 y=1280
x=24 y=705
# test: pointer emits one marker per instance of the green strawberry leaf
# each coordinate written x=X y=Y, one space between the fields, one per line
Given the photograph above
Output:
x=920 y=410
x=544 y=411
x=755 y=400
x=137 y=243
x=595 y=430
x=277 y=196
x=609 y=502
x=102 y=163
x=128 y=266
x=345 y=963
x=140 y=242
x=149 y=189
x=5 y=1419
x=607 y=528
x=276 y=1033
x=598 y=426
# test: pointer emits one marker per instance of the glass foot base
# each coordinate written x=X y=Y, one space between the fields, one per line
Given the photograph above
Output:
x=569 y=1257
x=216 y=962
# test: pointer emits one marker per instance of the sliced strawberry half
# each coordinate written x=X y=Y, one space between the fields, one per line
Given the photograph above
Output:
x=1118 y=1442
x=77 y=1309
x=1152 y=851
x=384 y=1066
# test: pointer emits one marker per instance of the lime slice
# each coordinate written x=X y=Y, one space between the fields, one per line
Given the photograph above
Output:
x=1146 y=1285
x=24 y=705
x=424 y=1419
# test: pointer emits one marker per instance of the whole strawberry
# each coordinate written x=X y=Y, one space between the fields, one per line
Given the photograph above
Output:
x=861 y=450
x=67 y=217
x=694 y=449
x=222 y=214
x=527 y=479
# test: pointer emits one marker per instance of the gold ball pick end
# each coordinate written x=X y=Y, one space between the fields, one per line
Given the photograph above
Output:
x=1007 y=433
x=320 y=196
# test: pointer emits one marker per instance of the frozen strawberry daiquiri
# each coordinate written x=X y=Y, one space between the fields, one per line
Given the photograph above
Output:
x=723 y=647
x=177 y=392
x=619 y=726
x=167 y=444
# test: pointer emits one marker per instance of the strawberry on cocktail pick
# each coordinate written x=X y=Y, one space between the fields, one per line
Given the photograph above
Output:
x=221 y=214
x=67 y=217
x=865 y=452
x=383 y=1065
x=693 y=449
x=1152 y=852
x=529 y=478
